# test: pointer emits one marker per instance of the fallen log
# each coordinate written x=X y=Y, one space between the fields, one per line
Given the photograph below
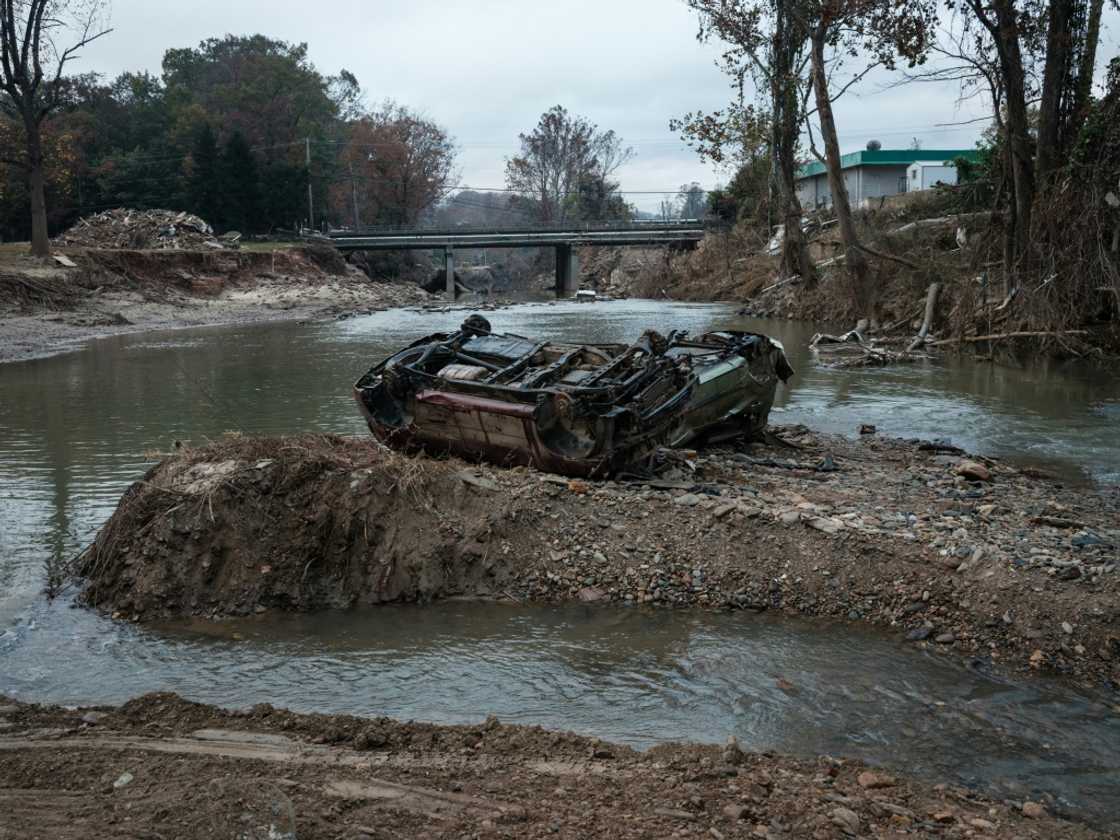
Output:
x=1002 y=336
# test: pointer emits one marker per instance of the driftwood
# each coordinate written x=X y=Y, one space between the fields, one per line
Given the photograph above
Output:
x=48 y=292
x=794 y=279
x=850 y=350
x=890 y=257
x=1002 y=336
x=931 y=307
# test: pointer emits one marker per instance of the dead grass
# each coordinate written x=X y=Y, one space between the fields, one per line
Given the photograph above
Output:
x=15 y=248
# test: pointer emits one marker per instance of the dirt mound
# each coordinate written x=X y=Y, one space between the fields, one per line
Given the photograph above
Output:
x=298 y=523
x=153 y=230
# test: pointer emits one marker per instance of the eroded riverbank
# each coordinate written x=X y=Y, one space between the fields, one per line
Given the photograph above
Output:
x=47 y=308
x=159 y=765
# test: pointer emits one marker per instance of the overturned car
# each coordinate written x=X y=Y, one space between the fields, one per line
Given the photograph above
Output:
x=575 y=409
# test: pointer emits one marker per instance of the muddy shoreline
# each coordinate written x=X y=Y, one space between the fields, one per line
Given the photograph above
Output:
x=1016 y=572
x=163 y=766
x=111 y=293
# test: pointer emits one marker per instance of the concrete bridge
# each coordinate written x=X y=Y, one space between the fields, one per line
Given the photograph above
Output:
x=566 y=239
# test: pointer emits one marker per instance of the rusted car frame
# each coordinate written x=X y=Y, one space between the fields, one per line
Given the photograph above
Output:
x=574 y=409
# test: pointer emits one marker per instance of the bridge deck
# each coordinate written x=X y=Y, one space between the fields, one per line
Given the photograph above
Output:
x=637 y=234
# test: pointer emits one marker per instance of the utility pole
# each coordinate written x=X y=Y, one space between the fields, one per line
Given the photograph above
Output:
x=310 y=195
x=354 y=192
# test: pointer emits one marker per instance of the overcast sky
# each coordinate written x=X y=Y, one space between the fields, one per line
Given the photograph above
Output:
x=487 y=69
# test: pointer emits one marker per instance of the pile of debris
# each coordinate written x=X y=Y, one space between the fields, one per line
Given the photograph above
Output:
x=852 y=350
x=141 y=230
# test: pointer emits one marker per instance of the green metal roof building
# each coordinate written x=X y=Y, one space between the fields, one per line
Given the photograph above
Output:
x=871 y=174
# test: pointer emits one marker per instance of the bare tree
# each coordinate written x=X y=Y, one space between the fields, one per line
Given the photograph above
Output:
x=766 y=43
x=692 y=201
x=398 y=164
x=1000 y=19
x=878 y=32
x=559 y=157
x=32 y=61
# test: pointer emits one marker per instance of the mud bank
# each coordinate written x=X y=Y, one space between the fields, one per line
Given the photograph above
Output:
x=1015 y=570
x=47 y=308
x=973 y=312
x=162 y=766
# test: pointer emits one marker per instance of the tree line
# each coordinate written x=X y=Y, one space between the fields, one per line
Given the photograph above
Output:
x=243 y=130
x=247 y=133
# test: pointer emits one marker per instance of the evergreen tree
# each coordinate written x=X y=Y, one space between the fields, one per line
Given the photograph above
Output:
x=203 y=186
x=240 y=186
x=283 y=194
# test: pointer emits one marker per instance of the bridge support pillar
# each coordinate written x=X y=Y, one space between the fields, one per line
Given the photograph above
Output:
x=449 y=270
x=567 y=270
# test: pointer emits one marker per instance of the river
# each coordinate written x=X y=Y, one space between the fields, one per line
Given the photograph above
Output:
x=76 y=429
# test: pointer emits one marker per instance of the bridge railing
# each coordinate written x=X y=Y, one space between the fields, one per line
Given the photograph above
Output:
x=566 y=227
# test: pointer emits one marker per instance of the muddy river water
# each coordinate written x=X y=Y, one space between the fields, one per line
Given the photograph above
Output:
x=74 y=430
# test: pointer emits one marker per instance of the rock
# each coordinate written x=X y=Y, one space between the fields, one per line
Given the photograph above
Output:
x=1037 y=659
x=919 y=634
x=1067 y=628
x=93 y=718
x=675 y=813
x=467 y=477
x=867 y=429
x=370 y=738
x=687 y=500
x=732 y=753
x=590 y=595
x=734 y=812
x=828 y=526
x=1034 y=810
x=973 y=471
x=846 y=818
x=946 y=638
x=122 y=780
x=981 y=824
x=1087 y=539
x=873 y=781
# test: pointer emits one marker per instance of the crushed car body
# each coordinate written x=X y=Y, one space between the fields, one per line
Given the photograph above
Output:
x=573 y=409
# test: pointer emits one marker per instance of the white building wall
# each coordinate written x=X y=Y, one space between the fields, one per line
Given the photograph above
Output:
x=863 y=183
x=933 y=175
x=924 y=176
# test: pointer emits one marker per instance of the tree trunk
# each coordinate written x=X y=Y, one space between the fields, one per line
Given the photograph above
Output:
x=1018 y=132
x=1055 y=73
x=855 y=261
x=783 y=148
x=785 y=132
x=1083 y=86
x=36 y=185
